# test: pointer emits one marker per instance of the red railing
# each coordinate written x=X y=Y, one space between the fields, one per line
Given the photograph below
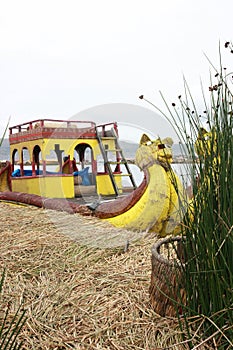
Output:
x=108 y=129
x=51 y=128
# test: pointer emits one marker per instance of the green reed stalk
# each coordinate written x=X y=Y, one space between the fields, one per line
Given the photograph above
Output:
x=208 y=231
x=208 y=224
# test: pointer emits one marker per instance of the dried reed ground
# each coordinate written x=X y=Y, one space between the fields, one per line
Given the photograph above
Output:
x=77 y=296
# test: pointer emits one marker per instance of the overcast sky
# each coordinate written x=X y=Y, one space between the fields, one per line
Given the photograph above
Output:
x=61 y=57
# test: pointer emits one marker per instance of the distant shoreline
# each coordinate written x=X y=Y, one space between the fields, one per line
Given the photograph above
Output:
x=129 y=150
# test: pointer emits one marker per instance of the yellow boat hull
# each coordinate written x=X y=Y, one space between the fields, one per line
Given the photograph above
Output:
x=152 y=208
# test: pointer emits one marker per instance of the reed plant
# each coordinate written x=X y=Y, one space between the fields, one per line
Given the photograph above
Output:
x=208 y=223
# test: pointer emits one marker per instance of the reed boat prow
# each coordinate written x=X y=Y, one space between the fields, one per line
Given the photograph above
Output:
x=5 y=176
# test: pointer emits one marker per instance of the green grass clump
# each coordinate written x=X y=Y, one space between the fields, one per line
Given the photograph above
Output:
x=208 y=223
x=10 y=324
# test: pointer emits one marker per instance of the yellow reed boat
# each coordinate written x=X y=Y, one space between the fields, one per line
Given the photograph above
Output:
x=88 y=161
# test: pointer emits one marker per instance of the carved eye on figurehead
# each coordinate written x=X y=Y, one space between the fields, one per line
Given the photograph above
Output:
x=161 y=146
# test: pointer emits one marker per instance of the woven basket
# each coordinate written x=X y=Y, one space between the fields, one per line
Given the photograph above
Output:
x=166 y=290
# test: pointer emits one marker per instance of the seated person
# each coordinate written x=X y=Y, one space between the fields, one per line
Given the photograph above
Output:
x=69 y=166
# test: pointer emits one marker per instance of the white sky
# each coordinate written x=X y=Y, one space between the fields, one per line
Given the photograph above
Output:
x=59 y=57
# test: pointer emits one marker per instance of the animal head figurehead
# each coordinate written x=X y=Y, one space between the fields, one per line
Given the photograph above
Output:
x=205 y=143
x=156 y=151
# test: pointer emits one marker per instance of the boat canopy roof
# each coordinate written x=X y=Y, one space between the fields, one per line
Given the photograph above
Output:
x=59 y=129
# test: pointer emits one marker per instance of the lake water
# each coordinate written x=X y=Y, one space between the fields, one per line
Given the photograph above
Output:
x=182 y=170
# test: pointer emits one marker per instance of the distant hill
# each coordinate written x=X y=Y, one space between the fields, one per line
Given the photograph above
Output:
x=129 y=149
x=5 y=150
